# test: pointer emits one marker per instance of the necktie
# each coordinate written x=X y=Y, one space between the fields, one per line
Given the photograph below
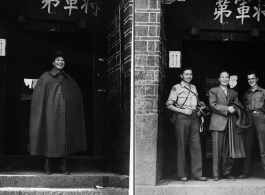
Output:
x=225 y=92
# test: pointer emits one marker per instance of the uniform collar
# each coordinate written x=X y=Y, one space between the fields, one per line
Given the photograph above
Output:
x=258 y=89
x=54 y=72
x=182 y=83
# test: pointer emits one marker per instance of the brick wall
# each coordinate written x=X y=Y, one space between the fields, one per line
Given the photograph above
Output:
x=118 y=87
x=150 y=64
x=3 y=35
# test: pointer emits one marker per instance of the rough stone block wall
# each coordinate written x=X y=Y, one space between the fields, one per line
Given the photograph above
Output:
x=150 y=63
x=118 y=87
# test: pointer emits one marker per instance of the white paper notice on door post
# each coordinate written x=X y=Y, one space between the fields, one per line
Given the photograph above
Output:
x=2 y=47
x=174 y=59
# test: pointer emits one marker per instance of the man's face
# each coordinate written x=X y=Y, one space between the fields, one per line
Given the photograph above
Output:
x=59 y=63
x=224 y=78
x=252 y=80
x=187 y=76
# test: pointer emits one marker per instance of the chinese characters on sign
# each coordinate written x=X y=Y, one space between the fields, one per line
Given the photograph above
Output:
x=48 y=3
x=71 y=4
x=174 y=59
x=2 y=47
x=222 y=9
x=243 y=9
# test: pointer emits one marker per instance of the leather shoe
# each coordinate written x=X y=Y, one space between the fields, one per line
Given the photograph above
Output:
x=199 y=178
x=183 y=179
x=47 y=172
x=229 y=176
x=243 y=176
x=216 y=178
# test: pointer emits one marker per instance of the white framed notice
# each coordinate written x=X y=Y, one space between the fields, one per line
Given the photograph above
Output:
x=174 y=59
x=2 y=47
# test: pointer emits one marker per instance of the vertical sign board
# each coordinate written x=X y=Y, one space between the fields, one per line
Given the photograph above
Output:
x=174 y=59
x=2 y=47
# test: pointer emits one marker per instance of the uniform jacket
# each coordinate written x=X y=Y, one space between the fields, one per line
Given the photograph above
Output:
x=219 y=105
x=255 y=100
x=179 y=93
x=57 y=126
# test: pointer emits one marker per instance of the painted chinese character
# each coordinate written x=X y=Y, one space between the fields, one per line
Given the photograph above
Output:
x=222 y=10
x=85 y=5
x=257 y=13
x=48 y=3
x=243 y=10
x=95 y=7
x=70 y=7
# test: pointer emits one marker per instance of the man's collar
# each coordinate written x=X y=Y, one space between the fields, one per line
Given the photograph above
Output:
x=258 y=89
x=183 y=84
x=55 y=71
x=224 y=88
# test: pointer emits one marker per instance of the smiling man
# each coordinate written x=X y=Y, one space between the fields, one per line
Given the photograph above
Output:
x=182 y=101
x=219 y=99
x=254 y=102
x=57 y=126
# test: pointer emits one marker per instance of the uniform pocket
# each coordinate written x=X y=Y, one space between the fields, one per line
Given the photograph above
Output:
x=182 y=98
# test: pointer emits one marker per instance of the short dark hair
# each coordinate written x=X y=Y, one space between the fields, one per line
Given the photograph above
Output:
x=252 y=72
x=185 y=68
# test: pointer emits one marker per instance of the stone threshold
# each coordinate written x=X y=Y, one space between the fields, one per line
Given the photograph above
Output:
x=31 y=179
x=59 y=191
x=249 y=186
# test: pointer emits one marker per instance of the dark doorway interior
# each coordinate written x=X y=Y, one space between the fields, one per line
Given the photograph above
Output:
x=29 y=54
x=209 y=58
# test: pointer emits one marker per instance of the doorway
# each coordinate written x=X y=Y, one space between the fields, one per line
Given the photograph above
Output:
x=30 y=54
x=209 y=58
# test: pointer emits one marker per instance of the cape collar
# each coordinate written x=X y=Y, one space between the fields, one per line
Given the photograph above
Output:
x=54 y=72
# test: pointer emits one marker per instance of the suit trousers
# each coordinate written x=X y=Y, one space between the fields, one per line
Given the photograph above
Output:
x=221 y=153
x=258 y=125
x=61 y=163
x=187 y=133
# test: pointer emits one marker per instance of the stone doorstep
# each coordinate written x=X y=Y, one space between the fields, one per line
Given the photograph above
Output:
x=75 y=180
x=58 y=191
x=249 y=186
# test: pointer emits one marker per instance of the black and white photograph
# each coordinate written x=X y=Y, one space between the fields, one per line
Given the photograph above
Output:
x=199 y=97
x=132 y=97
x=65 y=95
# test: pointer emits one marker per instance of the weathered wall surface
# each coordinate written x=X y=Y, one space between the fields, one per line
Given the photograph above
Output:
x=118 y=87
x=150 y=63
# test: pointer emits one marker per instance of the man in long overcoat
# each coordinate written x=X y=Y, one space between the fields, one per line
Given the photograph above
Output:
x=57 y=126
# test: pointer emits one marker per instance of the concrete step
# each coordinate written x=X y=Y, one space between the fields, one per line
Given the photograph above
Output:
x=249 y=186
x=58 y=191
x=74 y=163
x=33 y=179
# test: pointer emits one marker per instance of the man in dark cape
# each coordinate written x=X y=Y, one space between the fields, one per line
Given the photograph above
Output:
x=57 y=126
